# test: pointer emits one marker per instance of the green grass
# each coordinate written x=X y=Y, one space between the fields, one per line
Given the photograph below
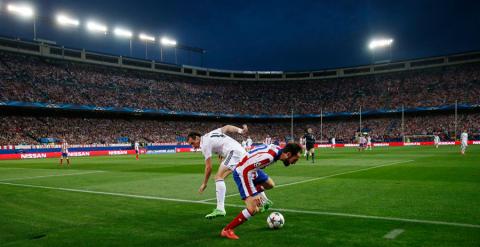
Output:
x=415 y=183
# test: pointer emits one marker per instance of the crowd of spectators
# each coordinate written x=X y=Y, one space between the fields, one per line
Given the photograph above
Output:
x=28 y=130
x=34 y=79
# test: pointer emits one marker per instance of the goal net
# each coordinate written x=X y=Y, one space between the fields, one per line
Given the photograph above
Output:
x=418 y=138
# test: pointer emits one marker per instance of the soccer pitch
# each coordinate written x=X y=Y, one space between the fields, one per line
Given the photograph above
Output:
x=407 y=196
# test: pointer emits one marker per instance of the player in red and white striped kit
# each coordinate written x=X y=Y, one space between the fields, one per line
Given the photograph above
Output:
x=137 y=150
x=251 y=180
x=64 y=150
x=268 y=140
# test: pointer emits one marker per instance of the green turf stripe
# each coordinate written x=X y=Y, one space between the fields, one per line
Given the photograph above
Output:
x=431 y=222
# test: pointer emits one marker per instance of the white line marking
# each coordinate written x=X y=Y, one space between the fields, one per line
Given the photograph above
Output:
x=324 y=177
x=47 y=176
x=393 y=233
x=429 y=222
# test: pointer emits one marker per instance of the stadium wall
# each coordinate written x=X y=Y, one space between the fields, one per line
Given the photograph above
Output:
x=14 y=154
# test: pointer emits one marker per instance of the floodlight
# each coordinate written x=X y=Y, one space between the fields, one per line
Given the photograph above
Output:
x=65 y=20
x=168 y=42
x=21 y=10
x=122 y=32
x=376 y=43
x=146 y=37
x=96 y=27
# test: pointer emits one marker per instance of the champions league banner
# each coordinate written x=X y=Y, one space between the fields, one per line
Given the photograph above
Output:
x=164 y=112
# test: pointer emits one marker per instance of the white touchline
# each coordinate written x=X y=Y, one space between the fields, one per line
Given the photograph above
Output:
x=429 y=222
x=324 y=177
x=393 y=233
x=47 y=176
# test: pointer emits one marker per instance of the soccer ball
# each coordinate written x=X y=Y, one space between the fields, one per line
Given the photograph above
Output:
x=275 y=220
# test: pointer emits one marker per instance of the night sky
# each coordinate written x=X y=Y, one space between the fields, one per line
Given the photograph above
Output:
x=267 y=35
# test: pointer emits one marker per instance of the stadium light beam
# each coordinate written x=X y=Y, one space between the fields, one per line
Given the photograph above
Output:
x=379 y=43
x=25 y=11
x=124 y=33
x=96 y=27
x=168 y=42
x=65 y=20
x=146 y=37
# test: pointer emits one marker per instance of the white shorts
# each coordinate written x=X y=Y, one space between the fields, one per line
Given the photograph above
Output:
x=232 y=159
x=464 y=144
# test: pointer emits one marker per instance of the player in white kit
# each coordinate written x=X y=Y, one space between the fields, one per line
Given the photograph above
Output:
x=334 y=142
x=464 y=142
x=302 y=143
x=436 y=141
x=218 y=142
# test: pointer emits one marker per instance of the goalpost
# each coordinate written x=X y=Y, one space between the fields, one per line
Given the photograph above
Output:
x=418 y=138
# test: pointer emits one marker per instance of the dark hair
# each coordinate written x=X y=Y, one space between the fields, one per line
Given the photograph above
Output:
x=292 y=148
x=193 y=135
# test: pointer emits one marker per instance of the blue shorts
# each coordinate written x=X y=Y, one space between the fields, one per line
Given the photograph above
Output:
x=64 y=155
x=248 y=188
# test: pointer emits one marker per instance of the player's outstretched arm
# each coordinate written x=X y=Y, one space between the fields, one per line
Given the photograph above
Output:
x=208 y=172
x=233 y=129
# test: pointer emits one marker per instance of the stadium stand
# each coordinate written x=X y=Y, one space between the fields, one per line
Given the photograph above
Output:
x=35 y=80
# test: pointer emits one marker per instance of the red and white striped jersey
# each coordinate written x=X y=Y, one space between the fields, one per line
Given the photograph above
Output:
x=268 y=141
x=64 y=147
x=259 y=158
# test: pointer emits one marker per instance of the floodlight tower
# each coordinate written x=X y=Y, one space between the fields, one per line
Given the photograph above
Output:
x=147 y=38
x=378 y=44
x=24 y=11
x=165 y=41
x=124 y=33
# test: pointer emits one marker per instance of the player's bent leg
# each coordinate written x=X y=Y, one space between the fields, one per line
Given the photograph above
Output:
x=264 y=182
x=252 y=207
x=221 y=190
x=269 y=184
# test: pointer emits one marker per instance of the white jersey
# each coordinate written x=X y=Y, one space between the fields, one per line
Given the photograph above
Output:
x=137 y=146
x=221 y=144
x=244 y=144
x=369 y=140
x=436 y=139
x=464 y=138
x=333 y=140
x=268 y=141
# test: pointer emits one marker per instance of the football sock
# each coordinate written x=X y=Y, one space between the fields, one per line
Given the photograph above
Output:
x=221 y=190
x=241 y=217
